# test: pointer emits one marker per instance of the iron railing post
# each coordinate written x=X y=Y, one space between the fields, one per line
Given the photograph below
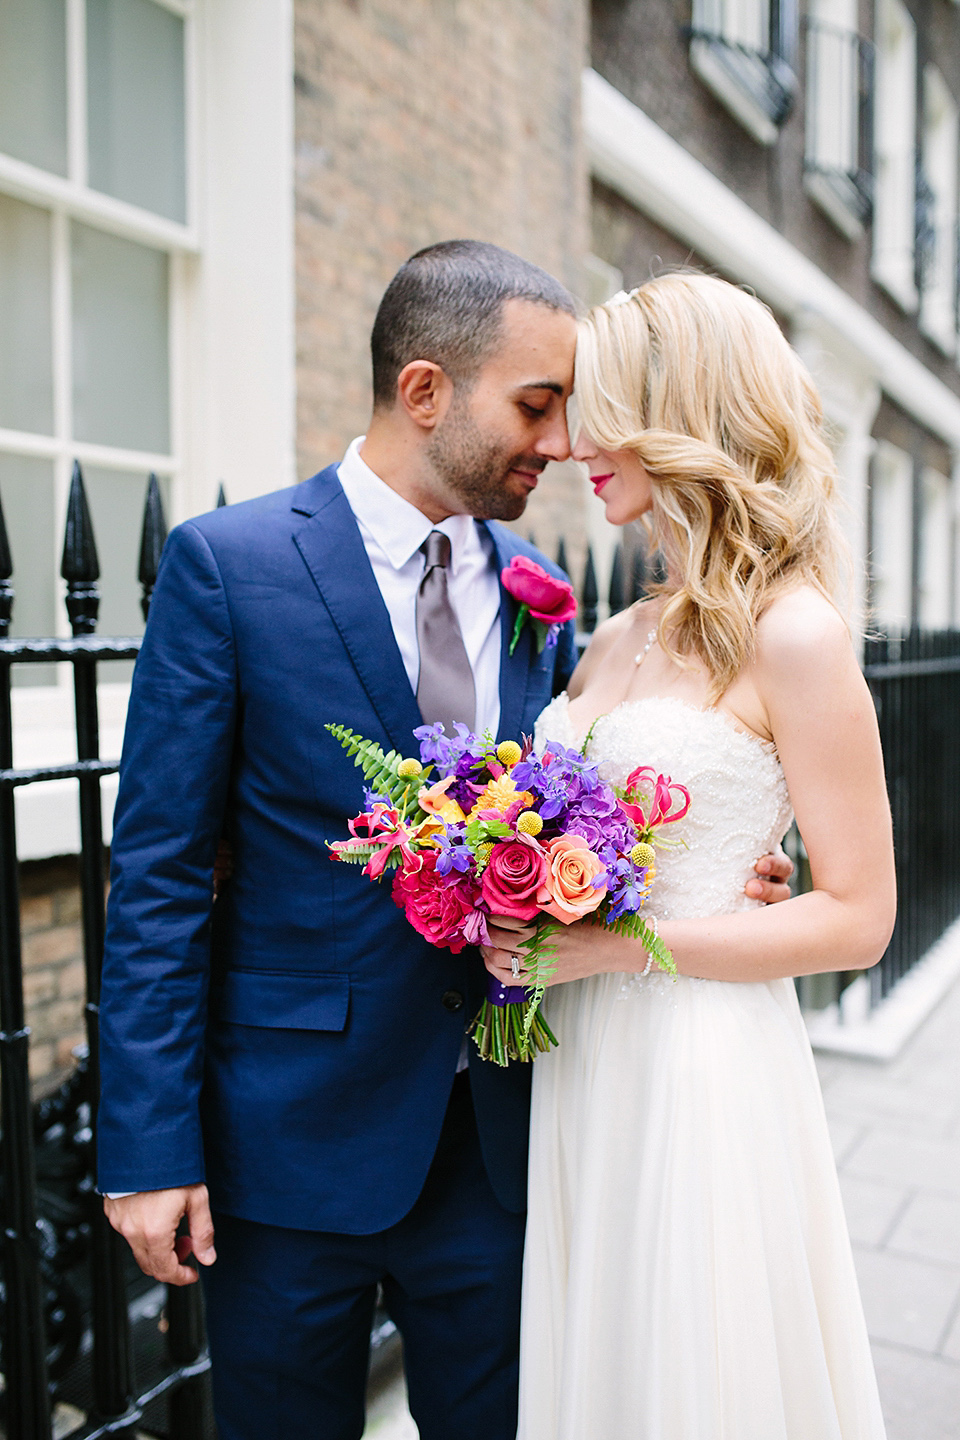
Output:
x=24 y=1346
x=112 y=1367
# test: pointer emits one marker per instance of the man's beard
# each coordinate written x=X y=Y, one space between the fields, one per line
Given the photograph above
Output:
x=475 y=468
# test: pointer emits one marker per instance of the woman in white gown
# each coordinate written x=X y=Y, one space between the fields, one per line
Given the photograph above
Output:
x=688 y=1273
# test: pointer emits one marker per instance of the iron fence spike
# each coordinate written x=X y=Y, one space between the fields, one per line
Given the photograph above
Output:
x=590 y=595
x=80 y=561
x=6 y=570
x=152 y=540
x=80 y=566
x=638 y=577
x=615 y=595
x=221 y=497
x=562 y=556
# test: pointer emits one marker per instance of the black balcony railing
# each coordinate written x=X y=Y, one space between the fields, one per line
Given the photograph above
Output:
x=838 y=162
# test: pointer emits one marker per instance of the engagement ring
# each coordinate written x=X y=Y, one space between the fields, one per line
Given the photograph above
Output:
x=515 y=966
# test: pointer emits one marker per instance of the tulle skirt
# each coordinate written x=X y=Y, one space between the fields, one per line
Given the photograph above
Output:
x=688 y=1272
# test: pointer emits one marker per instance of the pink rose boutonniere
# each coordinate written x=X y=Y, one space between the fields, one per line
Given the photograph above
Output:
x=548 y=602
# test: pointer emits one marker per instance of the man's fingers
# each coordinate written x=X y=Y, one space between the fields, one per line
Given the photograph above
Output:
x=157 y=1256
x=201 y=1224
x=775 y=867
x=769 y=892
x=148 y=1221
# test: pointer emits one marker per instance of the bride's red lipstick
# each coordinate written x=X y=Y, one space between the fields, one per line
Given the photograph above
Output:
x=598 y=482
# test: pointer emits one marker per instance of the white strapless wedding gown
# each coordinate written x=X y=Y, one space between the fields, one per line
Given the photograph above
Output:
x=688 y=1273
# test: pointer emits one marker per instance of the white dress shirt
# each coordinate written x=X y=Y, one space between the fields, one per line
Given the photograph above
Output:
x=393 y=531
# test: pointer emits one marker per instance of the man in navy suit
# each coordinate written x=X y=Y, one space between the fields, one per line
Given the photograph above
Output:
x=298 y=1068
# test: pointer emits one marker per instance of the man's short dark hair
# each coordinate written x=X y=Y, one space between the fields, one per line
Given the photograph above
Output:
x=445 y=304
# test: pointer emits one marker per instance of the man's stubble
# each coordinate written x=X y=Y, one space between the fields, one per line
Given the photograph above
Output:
x=475 y=467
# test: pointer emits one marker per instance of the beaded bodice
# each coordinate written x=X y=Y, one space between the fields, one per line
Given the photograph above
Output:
x=739 y=806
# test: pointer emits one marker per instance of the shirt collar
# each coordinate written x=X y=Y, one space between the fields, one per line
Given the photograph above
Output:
x=398 y=527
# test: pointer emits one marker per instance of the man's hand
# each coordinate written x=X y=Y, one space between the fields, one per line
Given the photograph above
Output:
x=149 y=1221
x=770 y=882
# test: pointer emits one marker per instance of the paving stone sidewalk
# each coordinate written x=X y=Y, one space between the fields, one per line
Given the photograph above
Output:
x=896 y=1136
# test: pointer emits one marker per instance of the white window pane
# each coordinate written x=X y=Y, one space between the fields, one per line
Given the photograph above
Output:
x=935 y=543
x=116 y=499
x=33 y=82
x=135 y=104
x=120 y=351
x=26 y=350
x=892 y=537
x=26 y=489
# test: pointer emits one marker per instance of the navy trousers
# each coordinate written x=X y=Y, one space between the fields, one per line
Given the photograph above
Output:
x=289 y=1311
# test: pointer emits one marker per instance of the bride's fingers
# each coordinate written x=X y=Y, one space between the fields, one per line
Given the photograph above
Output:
x=509 y=939
x=501 y=963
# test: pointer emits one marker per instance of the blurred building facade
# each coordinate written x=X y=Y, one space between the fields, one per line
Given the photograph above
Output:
x=201 y=202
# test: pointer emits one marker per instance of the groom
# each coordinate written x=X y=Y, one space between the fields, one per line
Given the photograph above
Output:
x=299 y=1068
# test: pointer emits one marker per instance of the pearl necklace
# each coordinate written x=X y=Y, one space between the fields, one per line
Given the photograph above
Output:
x=639 y=659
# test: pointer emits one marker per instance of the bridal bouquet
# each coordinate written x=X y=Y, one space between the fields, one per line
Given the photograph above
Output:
x=502 y=830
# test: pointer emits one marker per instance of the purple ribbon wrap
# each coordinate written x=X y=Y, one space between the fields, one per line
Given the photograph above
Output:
x=499 y=994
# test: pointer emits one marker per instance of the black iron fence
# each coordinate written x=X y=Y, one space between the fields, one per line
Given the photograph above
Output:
x=915 y=680
x=66 y=1274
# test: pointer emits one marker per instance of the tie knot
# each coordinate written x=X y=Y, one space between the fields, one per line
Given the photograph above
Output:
x=436 y=548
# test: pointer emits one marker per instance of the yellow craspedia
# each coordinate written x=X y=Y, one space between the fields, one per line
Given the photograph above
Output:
x=529 y=823
x=484 y=852
x=509 y=752
x=408 y=769
x=643 y=855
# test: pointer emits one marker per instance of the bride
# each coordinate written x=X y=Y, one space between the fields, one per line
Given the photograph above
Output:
x=688 y=1273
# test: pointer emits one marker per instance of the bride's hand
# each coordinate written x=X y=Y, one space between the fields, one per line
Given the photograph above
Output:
x=581 y=949
x=507 y=936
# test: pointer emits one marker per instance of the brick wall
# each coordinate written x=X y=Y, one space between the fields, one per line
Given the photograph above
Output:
x=53 y=975
x=418 y=123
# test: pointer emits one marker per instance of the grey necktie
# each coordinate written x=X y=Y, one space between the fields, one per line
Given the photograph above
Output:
x=445 y=689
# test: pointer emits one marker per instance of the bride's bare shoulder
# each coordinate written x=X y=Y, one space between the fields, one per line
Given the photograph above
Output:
x=602 y=642
x=801 y=629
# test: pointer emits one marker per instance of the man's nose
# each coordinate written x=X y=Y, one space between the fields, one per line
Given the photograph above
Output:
x=554 y=440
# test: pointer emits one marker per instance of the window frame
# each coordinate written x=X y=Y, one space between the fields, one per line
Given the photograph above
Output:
x=70 y=199
x=843 y=192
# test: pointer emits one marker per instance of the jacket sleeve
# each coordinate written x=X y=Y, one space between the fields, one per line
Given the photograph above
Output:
x=174 y=779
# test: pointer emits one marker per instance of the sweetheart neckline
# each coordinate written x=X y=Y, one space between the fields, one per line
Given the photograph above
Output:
x=767 y=746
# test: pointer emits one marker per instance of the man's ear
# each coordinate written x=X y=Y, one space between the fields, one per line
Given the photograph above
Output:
x=425 y=391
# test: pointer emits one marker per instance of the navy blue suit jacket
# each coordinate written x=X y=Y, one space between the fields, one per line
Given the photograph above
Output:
x=298 y=1052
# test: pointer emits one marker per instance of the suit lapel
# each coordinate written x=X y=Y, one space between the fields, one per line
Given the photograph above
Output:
x=515 y=668
x=333 y=551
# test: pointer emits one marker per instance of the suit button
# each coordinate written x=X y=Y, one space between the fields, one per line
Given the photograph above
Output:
x=452 y=1000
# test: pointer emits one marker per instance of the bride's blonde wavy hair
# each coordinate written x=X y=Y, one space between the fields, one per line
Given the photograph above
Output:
x=694 y=376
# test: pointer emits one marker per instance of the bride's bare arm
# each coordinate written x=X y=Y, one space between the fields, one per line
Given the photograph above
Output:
x=823 y=721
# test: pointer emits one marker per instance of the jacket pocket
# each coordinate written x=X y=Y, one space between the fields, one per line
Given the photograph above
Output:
x=283 y=1001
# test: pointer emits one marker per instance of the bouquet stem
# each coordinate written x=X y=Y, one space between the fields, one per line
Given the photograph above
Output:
x=508 y=1027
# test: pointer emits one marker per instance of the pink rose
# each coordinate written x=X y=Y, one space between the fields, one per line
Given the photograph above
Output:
x=567 y=893
x=550 y=601
x=439 y=907
x=515 y=872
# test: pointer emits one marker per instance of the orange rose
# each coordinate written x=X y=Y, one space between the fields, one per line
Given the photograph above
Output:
x=567 y=893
